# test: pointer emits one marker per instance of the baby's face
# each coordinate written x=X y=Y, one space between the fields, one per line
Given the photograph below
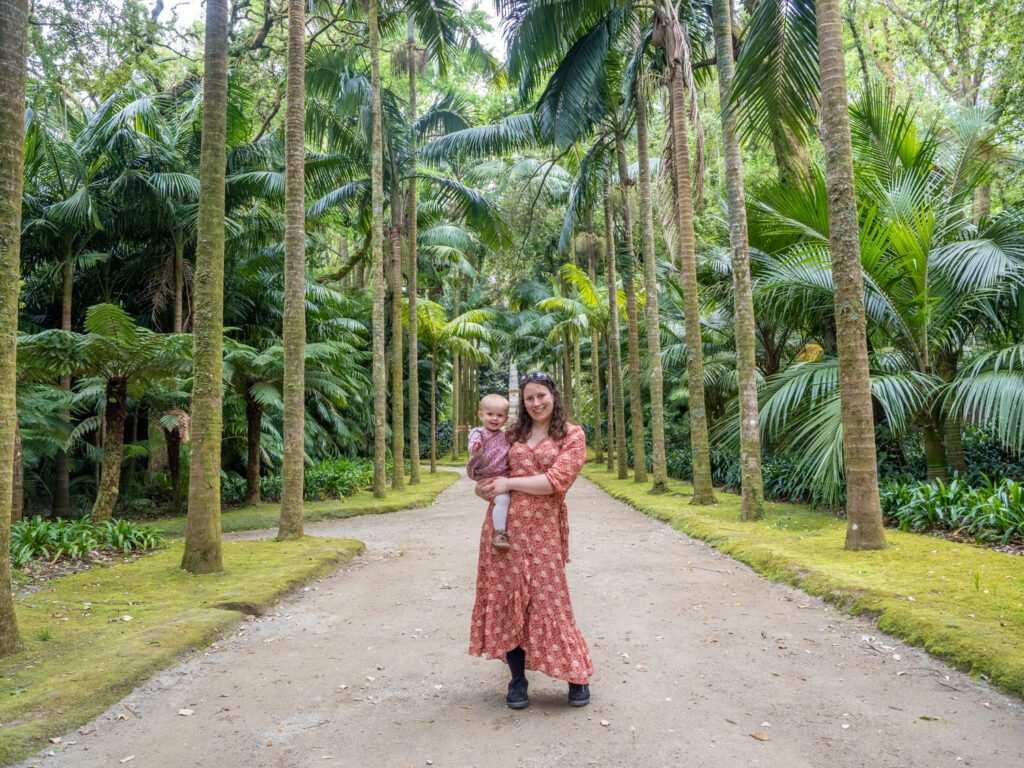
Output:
x=493 y=415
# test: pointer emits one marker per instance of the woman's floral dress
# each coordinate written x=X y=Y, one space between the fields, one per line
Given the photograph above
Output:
x=522 y=597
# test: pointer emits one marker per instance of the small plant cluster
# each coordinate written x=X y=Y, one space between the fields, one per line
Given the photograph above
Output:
x=54 y=539
x=991 y=512
x=331 y=479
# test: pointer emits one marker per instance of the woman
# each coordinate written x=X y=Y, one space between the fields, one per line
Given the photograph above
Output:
x=523 y=613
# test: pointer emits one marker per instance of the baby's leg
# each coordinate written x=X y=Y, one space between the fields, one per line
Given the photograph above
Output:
x=499 y=515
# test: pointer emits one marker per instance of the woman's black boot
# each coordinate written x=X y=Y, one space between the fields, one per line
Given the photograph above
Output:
x=517 y=698
x=579 y=694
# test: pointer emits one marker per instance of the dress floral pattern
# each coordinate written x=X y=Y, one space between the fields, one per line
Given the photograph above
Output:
x=522 y=596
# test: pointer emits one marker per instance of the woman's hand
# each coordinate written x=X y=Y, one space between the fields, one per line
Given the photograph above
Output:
x=491 y=487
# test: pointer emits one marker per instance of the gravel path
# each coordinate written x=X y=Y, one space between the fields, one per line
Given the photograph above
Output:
x=700 y=662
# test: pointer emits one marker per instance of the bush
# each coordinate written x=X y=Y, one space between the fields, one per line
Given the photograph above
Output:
x=332 y=479
x=989 y=513
x=54 y=539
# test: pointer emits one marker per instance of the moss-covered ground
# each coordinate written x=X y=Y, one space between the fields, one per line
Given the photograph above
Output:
x=92 y=637
x=961 y=602
x=265 y=515
x=448 y=461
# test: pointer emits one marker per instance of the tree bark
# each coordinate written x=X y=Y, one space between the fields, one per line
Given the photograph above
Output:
x=934 y=453
x=202 y=531
x=397 y=356
x=567 y=390
x=412 y=275
x=610 y=466
x=703 y=490
x=456 y=381
x=433 y=413
x=377 y=262
x=179 y=280
x=17 y=480
x=115 y=414
x=614 y=349
x=652 y=313
x=863 y=507
x=595 y=343
x=294 y=334
x=13 y=35
x=62 y=470
x=636 y=403
x=752 y=483
x=253 y=432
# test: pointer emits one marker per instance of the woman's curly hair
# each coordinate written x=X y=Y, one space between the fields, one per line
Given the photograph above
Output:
x=523 y=427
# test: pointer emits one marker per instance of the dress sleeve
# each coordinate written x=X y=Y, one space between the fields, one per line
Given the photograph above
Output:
x=572 y=454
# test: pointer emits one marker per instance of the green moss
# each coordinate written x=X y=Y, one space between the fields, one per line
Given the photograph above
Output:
x=960 y=602
x=93 y=655
x=265 y=515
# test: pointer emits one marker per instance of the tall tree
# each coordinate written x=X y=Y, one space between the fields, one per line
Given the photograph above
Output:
x=13 y=34
x=863 y=506
x=752 y=483
x=595 y=336
x=294 y=332
x=614 y=340
x=377 y=259
x=394 y=272
x=202 y=531
x=411 y=270
x=657 y=384
x=668 y=34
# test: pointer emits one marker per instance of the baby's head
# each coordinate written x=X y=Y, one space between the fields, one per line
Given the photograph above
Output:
x=493 y=412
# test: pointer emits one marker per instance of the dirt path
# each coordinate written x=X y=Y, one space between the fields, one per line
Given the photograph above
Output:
x=694 y=653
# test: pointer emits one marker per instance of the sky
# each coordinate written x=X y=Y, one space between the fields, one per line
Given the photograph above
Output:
x=193 y=10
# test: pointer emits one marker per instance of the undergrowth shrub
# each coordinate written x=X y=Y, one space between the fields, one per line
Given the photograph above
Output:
x=58 y=538
x=992 y=512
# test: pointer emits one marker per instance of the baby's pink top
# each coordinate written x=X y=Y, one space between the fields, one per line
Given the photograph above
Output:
x=492 y=461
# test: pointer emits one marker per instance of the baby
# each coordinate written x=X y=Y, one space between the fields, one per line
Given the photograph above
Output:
x=488 y=457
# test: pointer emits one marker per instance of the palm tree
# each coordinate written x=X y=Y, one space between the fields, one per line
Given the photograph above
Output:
x=377 y=260
x=202 y=534
x=614 y=343
x=294 y=335
x=411 y=272
x=669 y=35
x=752 y=484
x=457 y=337
x=863 y=505
x=13 y=35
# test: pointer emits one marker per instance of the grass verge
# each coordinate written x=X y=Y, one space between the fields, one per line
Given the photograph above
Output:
x=448 y=461
x=82 y=653
x=265 y=515
x=960 y=602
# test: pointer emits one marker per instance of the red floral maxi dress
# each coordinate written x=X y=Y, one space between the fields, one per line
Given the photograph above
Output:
x=522 y=597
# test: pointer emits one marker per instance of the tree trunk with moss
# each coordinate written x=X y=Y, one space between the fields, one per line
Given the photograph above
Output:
x=863 y=506
x=202 y=529
x=294 y=336
x=636 y=407
x=61 y=506
x=614 y=343
x=377 y=261
x=253 y=430
x=752 y=482
x=595 y=344
x=114 y=416
x=670 y=36
x=412 y=275
x=18 y=479
x=433 y=413
x=13 y=35
x=397 y=355
x=173 y=440
x=610 y=466
x=652 y=313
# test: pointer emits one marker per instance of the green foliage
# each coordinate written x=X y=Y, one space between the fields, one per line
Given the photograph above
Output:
x=55 y=539
x=332 y=479
x=991 y=512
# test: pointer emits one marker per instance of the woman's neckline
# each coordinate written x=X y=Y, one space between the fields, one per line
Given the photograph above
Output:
x=534 y=446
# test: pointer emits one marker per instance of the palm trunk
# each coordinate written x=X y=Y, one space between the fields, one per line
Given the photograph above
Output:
x=703 y=490
x=752 y=483
x=567 y=391
x=202 y=534
x=614 y=351
x=397 y=356
x=595 y=343
x=636 y=405
x=253 y=431
x=62 y=471
x=863 y=507
x=412 y=276
x=115 y=415
x=173 y=439
x=610 y=466
x=377 y=263
x=456 y=380
x=13 y=35
x=934 y=453
x=179 y=280
x=294 y=335
x=18 y=479
x=433 y=413
x=657 y=386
